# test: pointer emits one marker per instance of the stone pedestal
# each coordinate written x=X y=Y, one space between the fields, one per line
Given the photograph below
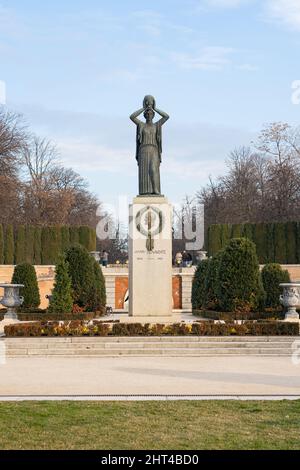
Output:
x=150 y=260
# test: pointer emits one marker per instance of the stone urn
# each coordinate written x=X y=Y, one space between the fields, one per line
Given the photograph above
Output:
x=11 y=300
x=290 y=299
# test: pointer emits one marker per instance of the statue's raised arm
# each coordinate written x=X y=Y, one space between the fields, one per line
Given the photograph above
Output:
x=164 y=116
x=134 y=116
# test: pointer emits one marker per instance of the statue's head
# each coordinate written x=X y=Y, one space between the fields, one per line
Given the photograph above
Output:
x=149 y=102
x=149 y=114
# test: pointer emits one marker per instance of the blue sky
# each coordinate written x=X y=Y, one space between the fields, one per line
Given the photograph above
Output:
x=220 y=68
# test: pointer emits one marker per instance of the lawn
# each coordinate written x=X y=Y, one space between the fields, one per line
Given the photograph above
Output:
x=150 y=425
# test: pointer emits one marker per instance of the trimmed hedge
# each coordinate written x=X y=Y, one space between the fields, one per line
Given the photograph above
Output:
x=207 y=328
x=275 y=242
x=36 y=245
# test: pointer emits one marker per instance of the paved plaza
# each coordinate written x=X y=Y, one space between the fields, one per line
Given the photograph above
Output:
x=139 y=375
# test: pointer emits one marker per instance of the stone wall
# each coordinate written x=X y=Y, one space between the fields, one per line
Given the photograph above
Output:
x=116 y=280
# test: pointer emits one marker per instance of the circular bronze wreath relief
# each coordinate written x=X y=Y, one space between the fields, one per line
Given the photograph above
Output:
x=150 y=230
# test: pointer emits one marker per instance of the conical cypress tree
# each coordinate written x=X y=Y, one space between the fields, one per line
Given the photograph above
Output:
x=84 y=236
x=24 y=273
x=20 y=253
x=214 y=239
x=29 y=243
x=198 y=286
x=280 y=243
x=92 y=240
x=225 y=234
x=248 y=231
x=291 y=242
x=81 y=271
x=1 y=245
x=37 y=251
x=9 y=245
x=65 y=238
x=261 y=242
x=61 y=299
x=270 y=243
x=74 y=235
x=51 y=244
x=211 y=282
x=98 y=297
x=236 y=231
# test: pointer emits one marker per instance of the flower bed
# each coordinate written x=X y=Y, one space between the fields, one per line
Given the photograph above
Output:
x=101 y=328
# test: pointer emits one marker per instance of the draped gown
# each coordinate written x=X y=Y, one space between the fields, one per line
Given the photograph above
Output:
x=148 y=157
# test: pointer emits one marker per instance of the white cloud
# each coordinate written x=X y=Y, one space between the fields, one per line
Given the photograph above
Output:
x=84 y=156
x=209 y=58
x=284 y=11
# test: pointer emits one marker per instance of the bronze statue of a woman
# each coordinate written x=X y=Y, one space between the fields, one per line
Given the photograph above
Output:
x=148 y=146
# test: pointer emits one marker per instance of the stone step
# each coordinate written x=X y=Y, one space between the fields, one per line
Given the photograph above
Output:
x=147 y=352
x=151 y=339
x=145 y=345
x=148 y=346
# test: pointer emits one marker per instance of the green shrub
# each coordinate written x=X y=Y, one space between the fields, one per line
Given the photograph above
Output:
x=239 y=281
x=24 y=273
x=211 y=283
x=198 y=286
x=272 y=275
x=61 y=299
x=9 y=245
x=88 y=286
x=98 y=300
